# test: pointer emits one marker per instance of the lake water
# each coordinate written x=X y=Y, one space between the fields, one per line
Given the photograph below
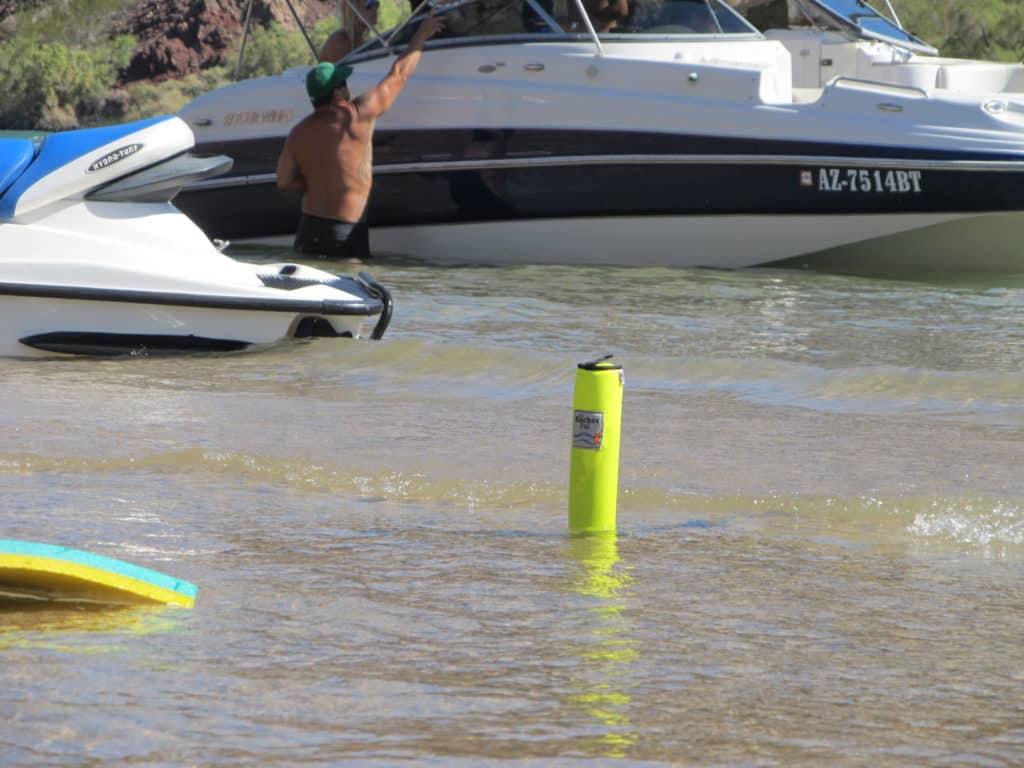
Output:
x=819 y=561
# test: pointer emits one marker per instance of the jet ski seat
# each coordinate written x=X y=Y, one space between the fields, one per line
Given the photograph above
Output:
x=15 y=156
x=63 y=149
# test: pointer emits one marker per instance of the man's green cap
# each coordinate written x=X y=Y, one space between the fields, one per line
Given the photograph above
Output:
x=324 y=78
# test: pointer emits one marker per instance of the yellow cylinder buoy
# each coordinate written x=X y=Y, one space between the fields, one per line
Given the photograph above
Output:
x=594 y=461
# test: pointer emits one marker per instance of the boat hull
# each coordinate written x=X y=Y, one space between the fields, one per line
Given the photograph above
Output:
x=901 y=244
x=684 y=135
x=710 y=208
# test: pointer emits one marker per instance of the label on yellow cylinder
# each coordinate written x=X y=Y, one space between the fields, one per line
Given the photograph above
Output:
x=587 y=429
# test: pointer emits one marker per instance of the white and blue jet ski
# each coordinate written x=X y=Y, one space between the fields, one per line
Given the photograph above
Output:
x=94 y=258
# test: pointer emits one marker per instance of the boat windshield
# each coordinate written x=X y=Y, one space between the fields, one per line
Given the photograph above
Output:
x=854 y=17
x=485 y=21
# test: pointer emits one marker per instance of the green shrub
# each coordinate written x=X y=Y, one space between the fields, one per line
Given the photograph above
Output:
x=72 y=22
x=986 y=29
x=51 y=86
x=391 y=13
x=272 y=49
x=145 y=99
x=268 y=51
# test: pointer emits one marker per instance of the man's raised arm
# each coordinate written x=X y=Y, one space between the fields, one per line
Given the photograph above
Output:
x=379 y=99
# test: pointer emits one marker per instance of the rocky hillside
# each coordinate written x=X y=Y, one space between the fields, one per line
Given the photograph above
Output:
x=174 y=37
x=179 y=37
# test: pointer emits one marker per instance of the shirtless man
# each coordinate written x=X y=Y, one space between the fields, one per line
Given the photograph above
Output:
x=328 y=155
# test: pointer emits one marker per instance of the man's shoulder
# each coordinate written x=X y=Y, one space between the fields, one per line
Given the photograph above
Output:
x=323 y=122
x=305 y=121
x=314 y=121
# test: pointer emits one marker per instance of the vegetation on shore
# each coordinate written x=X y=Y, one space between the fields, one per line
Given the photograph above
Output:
x=981 y=29
x=60 y=69
x=50 y=85
x=268 y=51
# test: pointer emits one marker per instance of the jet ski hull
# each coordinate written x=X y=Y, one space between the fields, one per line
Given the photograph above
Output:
x=106 y=265
x=37 y=322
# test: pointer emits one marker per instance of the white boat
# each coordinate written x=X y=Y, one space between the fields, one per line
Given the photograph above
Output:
x=95 y=259
x=681 y=136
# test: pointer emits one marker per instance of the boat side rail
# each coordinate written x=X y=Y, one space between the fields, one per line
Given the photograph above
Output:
x=874 y=86
x=959 y=164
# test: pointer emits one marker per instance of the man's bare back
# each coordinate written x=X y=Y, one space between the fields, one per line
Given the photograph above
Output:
x=328 y=155
x=333 y=149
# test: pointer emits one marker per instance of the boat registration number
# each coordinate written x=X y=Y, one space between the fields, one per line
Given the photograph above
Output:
x=863 y=180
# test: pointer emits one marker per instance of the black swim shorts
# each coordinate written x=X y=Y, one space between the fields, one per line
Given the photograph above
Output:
x=332 y=239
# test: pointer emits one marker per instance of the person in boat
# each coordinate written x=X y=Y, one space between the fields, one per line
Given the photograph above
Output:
x=328 y=155
x=606 y=15
x=351 y=34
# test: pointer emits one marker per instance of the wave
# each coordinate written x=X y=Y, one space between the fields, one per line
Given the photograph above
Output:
x=984 y=524
x=869 y=390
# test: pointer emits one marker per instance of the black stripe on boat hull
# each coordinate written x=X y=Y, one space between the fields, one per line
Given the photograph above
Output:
x=115 y=344
x=332 y=307
x=546 y=191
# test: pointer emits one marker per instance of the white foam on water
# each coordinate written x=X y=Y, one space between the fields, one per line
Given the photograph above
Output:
x=973 y=524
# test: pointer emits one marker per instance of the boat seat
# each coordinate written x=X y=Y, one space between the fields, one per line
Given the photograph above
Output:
x=977 y=76
x=60 y=149
x=15 y=156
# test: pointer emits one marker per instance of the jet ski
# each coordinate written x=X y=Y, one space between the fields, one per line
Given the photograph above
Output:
x=95 y=259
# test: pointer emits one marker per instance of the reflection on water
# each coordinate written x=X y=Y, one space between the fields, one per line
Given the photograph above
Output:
x=61 y=626
x=609 y=650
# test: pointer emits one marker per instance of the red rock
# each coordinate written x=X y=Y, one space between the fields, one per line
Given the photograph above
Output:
x=180 y=37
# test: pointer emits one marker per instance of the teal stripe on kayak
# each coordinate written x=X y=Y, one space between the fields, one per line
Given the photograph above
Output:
x=79 y=557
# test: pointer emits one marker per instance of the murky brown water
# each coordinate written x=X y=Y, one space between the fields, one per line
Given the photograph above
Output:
x=820 y=557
